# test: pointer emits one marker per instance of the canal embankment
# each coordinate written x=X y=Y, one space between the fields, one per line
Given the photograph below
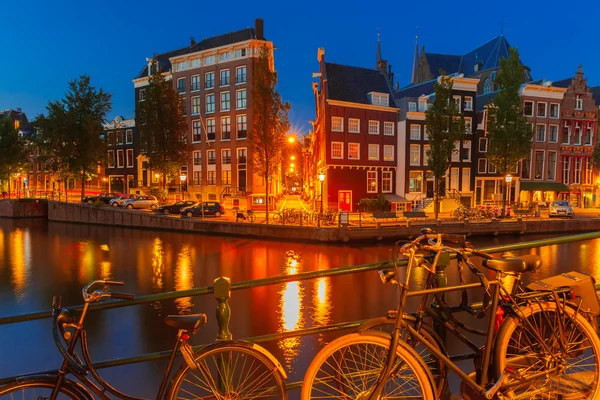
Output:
x=85 y=214
x=23 y=208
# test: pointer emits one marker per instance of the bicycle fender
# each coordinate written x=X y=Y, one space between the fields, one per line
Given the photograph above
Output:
x=77 y=387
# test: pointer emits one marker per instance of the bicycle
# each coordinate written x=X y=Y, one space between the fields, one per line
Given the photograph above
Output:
x=542 y=343
x=246 y=215
x=223 y=370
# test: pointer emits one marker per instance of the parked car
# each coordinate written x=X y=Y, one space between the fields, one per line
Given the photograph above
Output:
x=175 y=208
x=103 y=197
x=561 y=209
x=210 y=208
x=118 y=202
x=142 y=202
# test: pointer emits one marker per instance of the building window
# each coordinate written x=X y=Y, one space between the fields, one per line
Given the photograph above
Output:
x=566 y=136
x=425 y=133
x=528 y=109
x=195 y=83
x=241 y=156
x=426 y=149
x=386 y=182
x=142 y=94
x=225 y=103
x=588 y=171
x=197 y=178
x=224 y=77
x=209 y=80
x=456 y=152
x=195 y=105
x=226 y=156
x=212 y=157
x=224 y=56
x=553 y=134
x=120 y=159
x=541 y=109
x=337 y=124
x=566 y=165
x=554 y=110
x=353 y=151
x=181 y=85
x=210 y=129
x=415 y=179
x=374 y=152
x=482 y=166
x=241 y=99
x=412 y=106
x=466 y=179
x=576 y=172
x=415 y=154
x=242 y=127
x=225 y=128
x=196 y=131
x=483 y=145
x=468 y=125
x=371 y=181
x=119 y=135
x=209 y=60
x=466 y=151
x=422 y=105
x=388 y=152
x=579 y=103
x=239 y=53
x=195 y=63
x=111 y=159
x=457 y=102
x=487 y=86
x=380 y=99
x=226 y=177
x=129 y=158
x=468 y=103
x=415 y=132
x=388 y=128
x=540 y=135
x=539 y=165
x=240 y=75
x=454 y=176
x=337 y=150
x=374 y=127
x=353 y=125
x=526 y=167
x=198 y=158
x=211 y=178
x=588 y=134
x=210 y=103
x=129 y=136
x=551 y=175
x=577 y=139
x=184 y=104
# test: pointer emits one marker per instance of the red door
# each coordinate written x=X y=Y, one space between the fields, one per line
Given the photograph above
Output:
x=345 y=199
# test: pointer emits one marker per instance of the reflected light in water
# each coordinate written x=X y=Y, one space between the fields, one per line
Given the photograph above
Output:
x=158 y=265
x=184 y=279
x=86 y=262
x=1 y=247
x=106 y=270
x=20 y=257
x=290 y=308
x=322 y=302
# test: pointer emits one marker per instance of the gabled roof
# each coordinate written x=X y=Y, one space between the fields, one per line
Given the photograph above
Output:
x=488 y=53
x=424 y=88
x=163 y=61
x=448 y=63
x=563 y=83
x=485 y=99
x=353 y=84
x=596 y=93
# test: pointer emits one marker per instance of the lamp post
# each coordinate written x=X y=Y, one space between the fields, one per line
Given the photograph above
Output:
x=182 y=179
x=322 y=179
x=508 y=179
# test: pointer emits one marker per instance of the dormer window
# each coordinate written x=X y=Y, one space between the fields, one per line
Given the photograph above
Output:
x=379 y=99
x=412 y=106
x=422 y=105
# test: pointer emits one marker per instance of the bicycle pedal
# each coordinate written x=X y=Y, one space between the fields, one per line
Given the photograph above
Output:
x=188 y=355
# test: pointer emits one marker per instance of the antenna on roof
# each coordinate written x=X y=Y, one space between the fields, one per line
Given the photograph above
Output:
x=502 y=23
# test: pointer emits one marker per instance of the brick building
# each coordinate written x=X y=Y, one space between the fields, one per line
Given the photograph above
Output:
x=121 y=171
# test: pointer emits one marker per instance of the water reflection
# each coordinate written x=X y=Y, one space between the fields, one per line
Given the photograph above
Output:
x=290 y=308
x=19 y=254
x=184 y=279
x=106 y=270
x=158 y=266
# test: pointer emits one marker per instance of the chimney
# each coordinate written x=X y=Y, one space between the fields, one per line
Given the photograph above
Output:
x=320 y=53
x=259 y=28
x=397 y=86
x=192 y=41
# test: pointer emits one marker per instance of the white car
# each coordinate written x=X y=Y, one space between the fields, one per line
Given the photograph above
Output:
x=142 y=202
x=561 y=208
x=118 y=202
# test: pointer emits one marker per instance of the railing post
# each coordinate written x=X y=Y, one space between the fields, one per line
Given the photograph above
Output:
x=222 y=291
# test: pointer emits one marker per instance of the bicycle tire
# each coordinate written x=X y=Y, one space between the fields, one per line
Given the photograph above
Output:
x=249 y=367
x=276 y=218
x=38 y=389
x=318 y=381
x=438 y=369
x=515 y=347
x=252 y=218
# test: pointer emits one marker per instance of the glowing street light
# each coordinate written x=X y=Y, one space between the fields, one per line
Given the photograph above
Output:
x=508 y=179
x=322 y=179
x=291 y=139
x=292 y=165
x=292 y=158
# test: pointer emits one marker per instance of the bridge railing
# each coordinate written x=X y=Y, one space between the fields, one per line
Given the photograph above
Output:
x=243 y=285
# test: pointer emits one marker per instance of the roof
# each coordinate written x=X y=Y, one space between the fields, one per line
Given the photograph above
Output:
x=563 y=83
x=485 y=99
x=596 y=93
x=424 y=88
x=446 y=62
x=208 y=43
x=353 y=84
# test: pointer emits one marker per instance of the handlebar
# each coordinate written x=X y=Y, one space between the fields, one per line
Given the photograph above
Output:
x=122 y=296
x=99 y=294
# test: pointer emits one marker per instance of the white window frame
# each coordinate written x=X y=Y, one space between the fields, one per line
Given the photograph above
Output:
x=373 y=127
x=566 y=125
x=456 y=153
x=129 y=158
x=179 y=86
x=465 y=185
x=468 y=125
x=127 y=132
x=411 y=131
x=373 y=152
x=192 y=90
x=208 y=103
x=245 y=75
x=243 y=100
x=557 y=109
x=422 y=105
x=425 y=157
x=578 y=102
x=387 y=176
x=483 y=140
x=454 y=181
x=537 y=109
x=456 y=99
x=550 y=136
x=590 y=127
x=412 y=106
x=341 y=150
x=350 y=151
x=468 y=103
x=420 y=174
x=211 y=123
x=337 y=124
x=548 y=165
x=537 y=127
x=196 y=107
x=223 y=119
x=199 y=158
x=566 y=177
x=425 y=133
x=467 y=144
x=206 y=80
x=543 y=175
x=224 y=158
x=388 y=128
x=142 y=95
x=577 y=164
x=532 y=108
x=578 y=135
x=417 y=162
x=353 y=125
x=388 y=152
x=228 y=73
x=112 y=161
x=197 y=124
x=223 y=94
x=480 y=162
x=370 y=178
x=123 y=164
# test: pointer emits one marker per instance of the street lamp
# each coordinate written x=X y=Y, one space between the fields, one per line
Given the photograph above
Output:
x=322 y=178
x=292 y=158
x=508 y=179
x=182 y=179
x=291 y=139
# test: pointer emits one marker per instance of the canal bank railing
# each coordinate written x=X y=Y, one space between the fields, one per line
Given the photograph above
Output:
x=38 y=315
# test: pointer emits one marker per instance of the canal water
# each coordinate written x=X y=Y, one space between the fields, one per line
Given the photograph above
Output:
x=40 y=259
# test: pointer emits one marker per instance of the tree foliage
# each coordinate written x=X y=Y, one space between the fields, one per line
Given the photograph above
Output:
x=14 y=151
x=71 y=135
x=445 y=126
x=163 y=127
x=509 y=134
x=266 y=139
x=596 y=154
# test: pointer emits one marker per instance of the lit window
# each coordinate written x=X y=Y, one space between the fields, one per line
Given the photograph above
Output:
x=225 y=128
x=337 y=124
x=415 y=132
x=337 y=150
x=374 y=127
x=415 y=181
x=386 y=182
x=466 y=179
x=196 y=131
x=353 y=125
x=371 y=181
x=415 y=154
x=374 y=152
x=388 y=152
x=211 y=178
x=468 y=103
x=388 y=128
x=195 y=105
x=210 y=129
x=426 y=148
x=226 y=177
x=353 y=151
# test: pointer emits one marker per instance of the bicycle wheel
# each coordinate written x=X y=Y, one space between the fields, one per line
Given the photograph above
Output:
x=575 y=372
x=230 y=371
x=252 y=218
x=38 y=389
x=276 y=218
x=348 y=368
x=438 y=370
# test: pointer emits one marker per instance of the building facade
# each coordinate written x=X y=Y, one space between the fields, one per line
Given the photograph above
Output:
x=121 y=172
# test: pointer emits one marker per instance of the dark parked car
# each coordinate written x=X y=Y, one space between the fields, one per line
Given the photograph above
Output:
x=103 y=197
x=175 y=208
x=210 y=208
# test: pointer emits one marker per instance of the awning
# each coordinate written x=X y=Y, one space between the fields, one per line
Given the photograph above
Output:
x=544 y=186
x=394 y=198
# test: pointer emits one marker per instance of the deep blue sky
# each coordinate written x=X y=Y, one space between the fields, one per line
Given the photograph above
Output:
x=46 y=44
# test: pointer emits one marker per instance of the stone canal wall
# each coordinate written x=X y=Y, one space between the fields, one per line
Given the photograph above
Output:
x=79 y=213
x=24 y=208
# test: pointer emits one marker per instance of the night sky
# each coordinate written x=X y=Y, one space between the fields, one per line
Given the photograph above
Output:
x=46 y=44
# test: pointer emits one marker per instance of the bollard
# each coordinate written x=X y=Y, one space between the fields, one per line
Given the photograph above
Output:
x=222 y=292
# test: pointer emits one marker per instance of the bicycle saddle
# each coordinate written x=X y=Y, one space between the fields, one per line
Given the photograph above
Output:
x=526 y=263
x=186 y=322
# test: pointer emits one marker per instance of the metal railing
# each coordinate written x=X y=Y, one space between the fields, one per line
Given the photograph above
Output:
x=243 y=285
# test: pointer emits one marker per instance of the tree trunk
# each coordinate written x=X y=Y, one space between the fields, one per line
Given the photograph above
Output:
x=436 y=198
x=267 y=189
x=504 y=197
x=82 y=185
x=9 y=186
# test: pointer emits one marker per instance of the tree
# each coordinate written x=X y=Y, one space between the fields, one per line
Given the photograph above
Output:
x=266 y=139
x=596 y=154
x=71 y=136
x=509 y=135
x=163 y=127
x=15 y=152
x=445 y=126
